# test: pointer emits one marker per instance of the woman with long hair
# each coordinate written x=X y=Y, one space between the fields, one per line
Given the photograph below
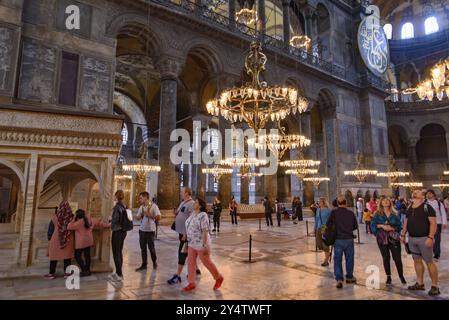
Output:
x=61 y=243
x=322 y=214
x=233 y=210
x=386 y=226
x=83 y=226
x=198 y=239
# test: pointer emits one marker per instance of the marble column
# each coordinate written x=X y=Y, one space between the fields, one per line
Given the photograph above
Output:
x=224 y=184
x=231 y=9
x=271 y=186
x=331 y=138
x=286 y=22
x=308 y=23
x=262 y=20
x=168 y=195
x=244 y=190
x=411 y=145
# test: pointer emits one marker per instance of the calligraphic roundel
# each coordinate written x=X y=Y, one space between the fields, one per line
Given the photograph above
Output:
x=373 y=43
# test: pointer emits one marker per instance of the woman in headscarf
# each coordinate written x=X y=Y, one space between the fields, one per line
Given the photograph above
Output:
x=61 y=244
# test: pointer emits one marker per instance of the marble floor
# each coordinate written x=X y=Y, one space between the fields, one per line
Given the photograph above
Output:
x=284 y=266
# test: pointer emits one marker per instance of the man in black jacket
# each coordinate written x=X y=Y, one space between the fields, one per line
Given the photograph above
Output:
x=119 y=214
x=268 y=211
x=345 y=223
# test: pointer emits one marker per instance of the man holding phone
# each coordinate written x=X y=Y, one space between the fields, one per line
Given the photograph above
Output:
x=148 y=214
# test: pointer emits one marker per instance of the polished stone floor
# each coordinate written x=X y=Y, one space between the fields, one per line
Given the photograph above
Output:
x=284 y=265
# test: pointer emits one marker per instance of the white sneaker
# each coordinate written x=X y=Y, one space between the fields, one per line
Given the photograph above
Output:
x=116 y=278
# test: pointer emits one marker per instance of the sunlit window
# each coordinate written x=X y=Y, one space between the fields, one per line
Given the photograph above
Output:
x=388 y=29
x=125 y=134
x=408 y=31
x=431 y=25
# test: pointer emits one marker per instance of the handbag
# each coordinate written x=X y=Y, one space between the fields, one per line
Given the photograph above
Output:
x=173 y=226
x=330 y=235
x=323 y=226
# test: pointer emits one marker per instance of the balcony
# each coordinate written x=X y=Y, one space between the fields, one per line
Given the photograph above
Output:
x=205 y=15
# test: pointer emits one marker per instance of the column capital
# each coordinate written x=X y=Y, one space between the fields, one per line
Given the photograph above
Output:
x=169 y=67
x=412 y=141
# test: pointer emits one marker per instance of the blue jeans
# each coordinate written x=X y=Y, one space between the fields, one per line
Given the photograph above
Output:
x=346 y=247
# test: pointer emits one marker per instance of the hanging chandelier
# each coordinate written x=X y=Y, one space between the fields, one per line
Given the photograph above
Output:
x=409 y=185
x=359 y=172
x=249 y=174
x=123 y=177
x=279 y=143
x=243 y=162
x=300 y=163
x=435 y=86
x=256 y=103
x=217 y=172
x=246 y=16
x=316 y=180
x=441 y=186
x=301 y=173
x=446 y=173
x=140 y=166
x=393 y=174
x=300 y=42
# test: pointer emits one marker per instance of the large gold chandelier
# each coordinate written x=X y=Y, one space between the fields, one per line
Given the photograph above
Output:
x=140 y=166
x=302 y=172
x=279 y=143
x=256 y=103
x=246 y=165
x=409 y=185
x=316 y=180
x=446 y=173
x=217 y=172
x=359 y=172
x=436 y=86
x=393 y=174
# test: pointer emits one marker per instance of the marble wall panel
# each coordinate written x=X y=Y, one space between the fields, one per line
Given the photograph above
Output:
x=95 y=91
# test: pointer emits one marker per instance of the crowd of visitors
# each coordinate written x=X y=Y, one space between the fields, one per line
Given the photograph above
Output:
x=416 y=223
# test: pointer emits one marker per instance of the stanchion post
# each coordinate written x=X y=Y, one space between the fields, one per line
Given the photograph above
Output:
x=358 y=234
x=260 y=223
x=250 y=246
x=307 y=227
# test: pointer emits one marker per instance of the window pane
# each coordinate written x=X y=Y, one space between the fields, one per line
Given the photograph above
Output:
x=407 y=31
x=431 y=25
x=388 y=29
x=69 y=79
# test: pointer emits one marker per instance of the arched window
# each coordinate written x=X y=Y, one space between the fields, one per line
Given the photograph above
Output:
x=431 y=25
x=408 y=31
x=388 y=29
x=125 y=134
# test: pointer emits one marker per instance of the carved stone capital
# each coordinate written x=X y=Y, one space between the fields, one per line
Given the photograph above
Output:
x=169 y=67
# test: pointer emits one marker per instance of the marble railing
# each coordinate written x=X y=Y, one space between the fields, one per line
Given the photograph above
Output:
x=188 y=7
x=417 y=106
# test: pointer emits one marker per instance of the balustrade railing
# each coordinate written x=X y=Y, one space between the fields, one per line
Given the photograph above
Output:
x=204 y=13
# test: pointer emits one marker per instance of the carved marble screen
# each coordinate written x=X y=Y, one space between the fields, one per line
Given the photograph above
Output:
x=37 y=72
x=95 y=93
x=8 y=38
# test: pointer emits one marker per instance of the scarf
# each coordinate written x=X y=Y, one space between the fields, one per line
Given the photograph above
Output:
x=64 y=216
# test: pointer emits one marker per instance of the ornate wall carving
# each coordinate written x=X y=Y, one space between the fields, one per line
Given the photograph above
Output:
x=95 y=91
x=37 y=74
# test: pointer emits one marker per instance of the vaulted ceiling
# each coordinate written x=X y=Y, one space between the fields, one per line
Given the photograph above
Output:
x=387 y=6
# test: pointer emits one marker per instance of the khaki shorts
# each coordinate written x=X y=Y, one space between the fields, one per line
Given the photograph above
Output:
x=419 y=249
x=319 y=241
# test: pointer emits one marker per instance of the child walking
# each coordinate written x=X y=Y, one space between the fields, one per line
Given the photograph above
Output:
x=367 y=217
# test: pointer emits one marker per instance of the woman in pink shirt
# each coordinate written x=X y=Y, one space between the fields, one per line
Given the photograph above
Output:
x=83 y=226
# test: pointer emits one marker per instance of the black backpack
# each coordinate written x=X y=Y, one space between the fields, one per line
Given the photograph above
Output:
x=330 y=235
x=127 y=225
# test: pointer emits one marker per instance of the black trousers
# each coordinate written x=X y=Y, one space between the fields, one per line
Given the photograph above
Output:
x=118 y=239
x=437 y=242
x=182 y=256
x=83 y=263
x=368 y=226
x=278 y=217
x=54 y=263
x=217 y=217
x=234 y=217
x=268 y=219
x=146 y=239
x=395 y=250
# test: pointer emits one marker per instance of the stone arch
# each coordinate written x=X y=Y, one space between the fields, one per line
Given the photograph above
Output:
x=436 y=121
x=326 y=102
x=432 y=143
x=16 y=170
x=63 y=164
x=297 y=84
x=206 y=52
x=397 y=141
x=133 y=111
x=138 y=26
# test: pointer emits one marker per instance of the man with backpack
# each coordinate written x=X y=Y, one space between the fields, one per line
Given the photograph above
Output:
x=441 y=216
x=421 y=225
x=268 y=211
x=148 y=214
x=120 y=225
x=340 y=229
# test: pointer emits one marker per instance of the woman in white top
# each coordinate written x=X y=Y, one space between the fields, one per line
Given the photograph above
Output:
x=198 y=239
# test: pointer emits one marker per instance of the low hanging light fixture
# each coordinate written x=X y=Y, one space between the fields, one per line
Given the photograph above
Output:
x=246 y=16
x=393 y=174
x=409 y=185
x=359 y=172
x=140 y=166
x=217 y=172
x=301 y=173
x=316 y=180
x=300 y=42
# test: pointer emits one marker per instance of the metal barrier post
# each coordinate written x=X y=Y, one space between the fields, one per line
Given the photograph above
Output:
x=260 y=223
x=358 y=234
x=250 y=246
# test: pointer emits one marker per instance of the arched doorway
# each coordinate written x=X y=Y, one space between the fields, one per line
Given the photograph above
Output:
x=432 y=144
x=76 y=182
